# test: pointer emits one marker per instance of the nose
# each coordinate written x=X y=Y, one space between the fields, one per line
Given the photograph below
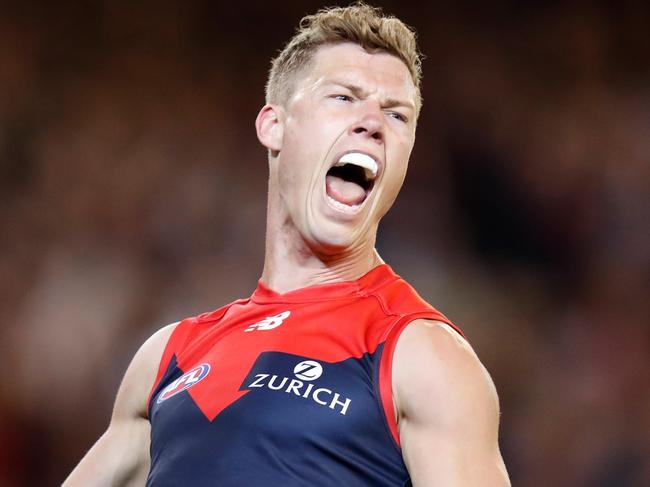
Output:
x=370 y=123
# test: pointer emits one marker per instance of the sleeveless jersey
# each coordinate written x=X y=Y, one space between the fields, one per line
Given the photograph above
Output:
x=286 y=389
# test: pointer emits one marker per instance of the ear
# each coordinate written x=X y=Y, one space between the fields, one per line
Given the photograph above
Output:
x=270 y=127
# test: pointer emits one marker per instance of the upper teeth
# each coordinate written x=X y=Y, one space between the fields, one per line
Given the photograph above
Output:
x=362 y=160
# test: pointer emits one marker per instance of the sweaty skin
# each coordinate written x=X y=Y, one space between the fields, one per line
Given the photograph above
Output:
x=347 y=100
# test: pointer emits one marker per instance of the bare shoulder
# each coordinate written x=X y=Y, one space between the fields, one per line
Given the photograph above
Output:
x=446 y=403
x=141 y=374
x=432 y=359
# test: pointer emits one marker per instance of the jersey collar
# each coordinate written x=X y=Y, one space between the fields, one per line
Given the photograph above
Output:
x=374 y=279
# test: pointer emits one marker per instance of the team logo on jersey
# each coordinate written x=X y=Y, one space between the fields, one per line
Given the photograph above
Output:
x=307 y=370
x=185 y=381
x=269 y=322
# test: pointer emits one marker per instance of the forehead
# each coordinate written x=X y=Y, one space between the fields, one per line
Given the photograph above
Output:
x=378 y=71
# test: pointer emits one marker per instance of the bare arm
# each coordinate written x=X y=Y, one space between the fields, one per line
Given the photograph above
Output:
x=447 y=410
x=121 y=455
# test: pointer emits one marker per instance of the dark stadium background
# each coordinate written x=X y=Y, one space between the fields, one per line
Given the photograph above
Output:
x=133 y=189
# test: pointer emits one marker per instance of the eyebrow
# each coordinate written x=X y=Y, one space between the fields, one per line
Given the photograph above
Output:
x=359 y=92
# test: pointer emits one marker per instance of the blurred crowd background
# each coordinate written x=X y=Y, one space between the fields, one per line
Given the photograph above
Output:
x=132 y=194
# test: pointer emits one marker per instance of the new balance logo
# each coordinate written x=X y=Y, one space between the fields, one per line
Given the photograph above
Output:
x=269 y=322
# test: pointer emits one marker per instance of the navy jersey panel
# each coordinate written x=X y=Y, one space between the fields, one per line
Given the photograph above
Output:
x=301 y=422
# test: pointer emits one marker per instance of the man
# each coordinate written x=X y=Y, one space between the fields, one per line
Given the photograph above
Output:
x=334 y=370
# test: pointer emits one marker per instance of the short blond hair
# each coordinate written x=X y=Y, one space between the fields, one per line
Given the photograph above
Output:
x=361 y=24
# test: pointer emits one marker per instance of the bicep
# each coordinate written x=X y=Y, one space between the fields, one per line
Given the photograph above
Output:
x=448 y=411
x=121 y=455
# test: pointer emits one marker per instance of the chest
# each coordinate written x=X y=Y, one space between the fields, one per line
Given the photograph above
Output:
x=297 y=420
x=272 y=402
x=271 y=392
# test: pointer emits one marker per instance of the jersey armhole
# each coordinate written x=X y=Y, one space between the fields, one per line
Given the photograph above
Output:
x=385 y=379
x=174 y=343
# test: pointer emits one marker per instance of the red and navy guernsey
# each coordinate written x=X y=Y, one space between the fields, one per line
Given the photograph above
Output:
x=286 y=389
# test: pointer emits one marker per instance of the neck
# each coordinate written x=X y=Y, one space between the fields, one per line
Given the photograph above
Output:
x=290 y=263
x=284 y=273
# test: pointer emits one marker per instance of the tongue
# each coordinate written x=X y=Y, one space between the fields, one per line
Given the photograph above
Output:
x=344 y=191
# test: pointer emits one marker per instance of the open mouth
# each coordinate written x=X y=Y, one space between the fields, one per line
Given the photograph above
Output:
x=349 y=182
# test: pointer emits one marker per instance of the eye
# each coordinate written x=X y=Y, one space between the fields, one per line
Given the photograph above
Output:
x=341 y=97
x=398 y=116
